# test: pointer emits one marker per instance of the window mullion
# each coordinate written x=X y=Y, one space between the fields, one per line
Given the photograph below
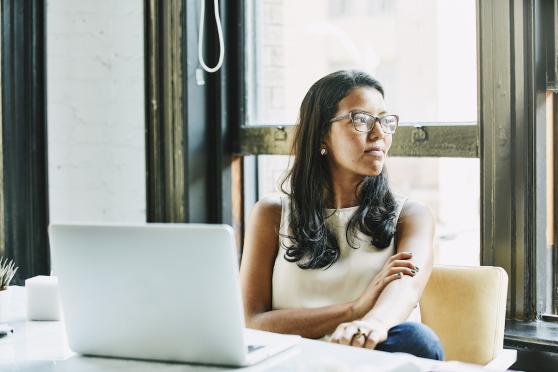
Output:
x=512 y=143
x=454 y=140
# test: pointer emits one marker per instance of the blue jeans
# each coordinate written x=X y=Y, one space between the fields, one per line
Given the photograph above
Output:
x=413 y=338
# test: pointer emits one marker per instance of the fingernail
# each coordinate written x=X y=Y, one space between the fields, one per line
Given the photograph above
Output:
x=414 y=271
x=399 y=274
x=416 y=268
x=411 y=253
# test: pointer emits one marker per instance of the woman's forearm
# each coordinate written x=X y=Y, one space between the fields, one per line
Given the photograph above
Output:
x=395 y=303
x=307 y=322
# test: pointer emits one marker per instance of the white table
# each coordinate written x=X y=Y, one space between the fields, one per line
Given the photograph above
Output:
x=42 y=346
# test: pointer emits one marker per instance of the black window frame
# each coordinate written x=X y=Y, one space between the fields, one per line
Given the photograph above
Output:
x=24 y=213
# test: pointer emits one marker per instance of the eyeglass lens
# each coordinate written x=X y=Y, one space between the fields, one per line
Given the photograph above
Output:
x=365 y=123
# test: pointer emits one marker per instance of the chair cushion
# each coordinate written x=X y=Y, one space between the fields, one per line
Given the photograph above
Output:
x=466 y=307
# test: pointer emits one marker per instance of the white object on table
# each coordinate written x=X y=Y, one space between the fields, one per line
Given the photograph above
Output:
x=43 y=300
x=4 y=304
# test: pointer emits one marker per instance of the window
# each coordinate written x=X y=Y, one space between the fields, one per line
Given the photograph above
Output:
x=425 y=56
x=423 y=52
x=428 y=65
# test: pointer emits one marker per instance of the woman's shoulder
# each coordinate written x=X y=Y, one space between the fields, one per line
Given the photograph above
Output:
x=269 y=208
x=271 y=201
x=413 y=209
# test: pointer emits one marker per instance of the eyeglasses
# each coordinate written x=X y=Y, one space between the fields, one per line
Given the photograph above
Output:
x=364 y=122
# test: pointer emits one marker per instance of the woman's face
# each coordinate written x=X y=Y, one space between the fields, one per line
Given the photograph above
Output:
x=352 y=153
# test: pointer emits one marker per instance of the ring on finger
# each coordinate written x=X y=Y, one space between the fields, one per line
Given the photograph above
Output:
x=360 y=333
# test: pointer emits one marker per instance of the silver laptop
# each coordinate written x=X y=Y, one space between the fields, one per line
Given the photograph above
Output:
x=166 y=292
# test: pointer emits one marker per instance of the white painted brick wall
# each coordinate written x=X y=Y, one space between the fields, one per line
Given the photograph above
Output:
x=96 y=115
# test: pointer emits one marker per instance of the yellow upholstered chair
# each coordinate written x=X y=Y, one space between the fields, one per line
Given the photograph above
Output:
x=466 y=307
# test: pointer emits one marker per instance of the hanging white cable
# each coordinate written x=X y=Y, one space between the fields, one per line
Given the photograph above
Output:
x=219 y=33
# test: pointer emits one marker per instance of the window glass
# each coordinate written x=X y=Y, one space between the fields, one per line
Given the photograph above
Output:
x=423 y=52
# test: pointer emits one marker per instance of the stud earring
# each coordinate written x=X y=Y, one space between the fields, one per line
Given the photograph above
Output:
x=323 y=151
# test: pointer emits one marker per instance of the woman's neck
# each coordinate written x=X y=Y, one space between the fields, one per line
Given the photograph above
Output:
x=345 y=192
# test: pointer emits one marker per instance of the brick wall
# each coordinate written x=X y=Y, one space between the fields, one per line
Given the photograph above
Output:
x=96 y=110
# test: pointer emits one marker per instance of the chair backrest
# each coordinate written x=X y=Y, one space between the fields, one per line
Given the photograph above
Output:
x=466 y=307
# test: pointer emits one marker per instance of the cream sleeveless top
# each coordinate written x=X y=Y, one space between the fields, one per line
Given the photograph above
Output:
x=342 y=282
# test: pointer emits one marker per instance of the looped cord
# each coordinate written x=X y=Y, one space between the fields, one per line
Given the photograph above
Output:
x=219 y=33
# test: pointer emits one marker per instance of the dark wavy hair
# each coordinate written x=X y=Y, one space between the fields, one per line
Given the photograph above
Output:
x=313 y=246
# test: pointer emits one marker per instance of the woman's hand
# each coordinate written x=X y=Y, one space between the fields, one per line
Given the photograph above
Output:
x=360 y=333
x=394 y=268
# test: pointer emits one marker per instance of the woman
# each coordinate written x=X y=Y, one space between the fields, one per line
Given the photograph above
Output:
x=341 y=257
